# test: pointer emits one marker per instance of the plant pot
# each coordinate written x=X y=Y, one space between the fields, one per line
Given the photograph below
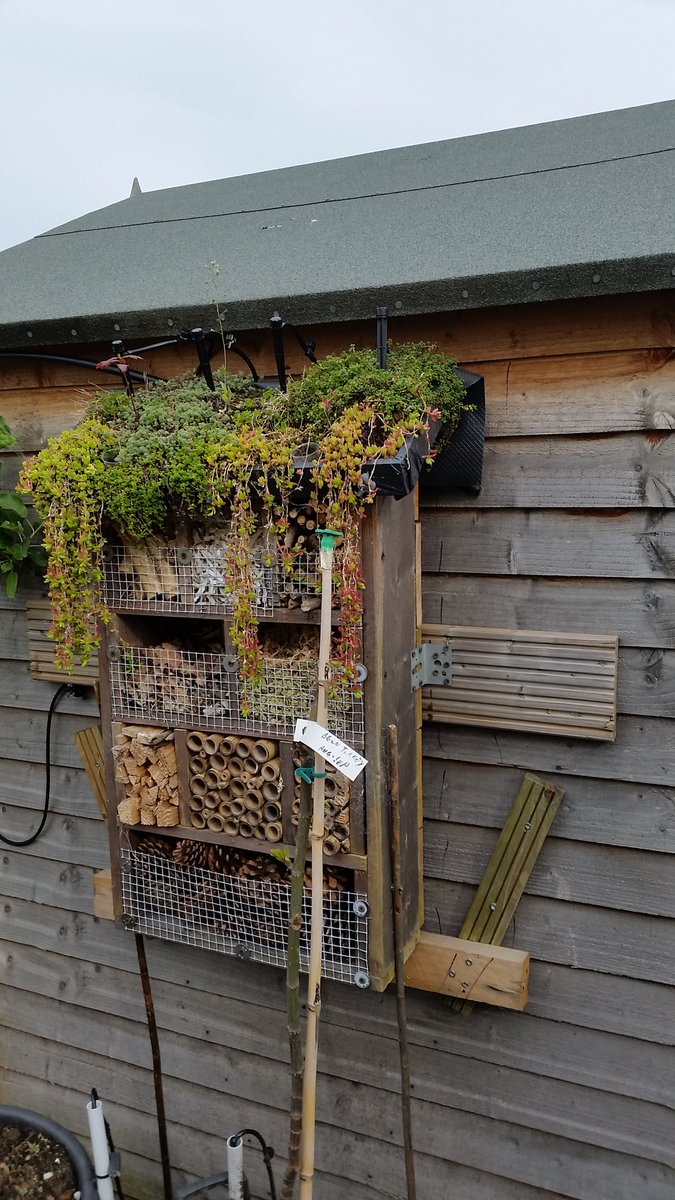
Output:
x=23 y=1118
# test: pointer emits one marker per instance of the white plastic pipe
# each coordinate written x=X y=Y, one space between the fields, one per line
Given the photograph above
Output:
x=235 y=1167
x=99 y=1145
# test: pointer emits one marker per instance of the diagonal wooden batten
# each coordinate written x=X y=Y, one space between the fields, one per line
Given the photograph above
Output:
x=89 y=742
x=511 y=864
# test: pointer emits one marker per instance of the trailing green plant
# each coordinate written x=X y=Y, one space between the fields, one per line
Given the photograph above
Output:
x=176 y=453
x=20 y=533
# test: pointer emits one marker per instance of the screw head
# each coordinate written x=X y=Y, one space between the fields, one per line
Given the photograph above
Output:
x=469 y=962
x=451 y=974
x=528 y=825
x=493 y=908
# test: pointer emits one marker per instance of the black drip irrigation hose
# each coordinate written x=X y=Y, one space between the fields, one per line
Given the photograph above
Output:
x=23 y=1118
x=267 y=1153
x=65 y=687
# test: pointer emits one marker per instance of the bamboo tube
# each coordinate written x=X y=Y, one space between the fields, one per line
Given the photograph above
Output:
x=295 y=819
x=272 y=811
x=211 y=779
x=196 y=804
x=198 y=785
x=263 y=750
x=231 y=826
x=245 y=829
x=330 y=786
x=212 y=743
x=346 y=845
x=273 y=831
x=198 y=821
x=224 y=809
x=227 y=745
x=243 y=747
x=253 y=798
x=259 y=831
x=253 y=817
x=196 y=765
x=218 y=763
x=195 y=741
x=251 y=766
x=331 y=845
x=236 y=767
x=295 y=807
x=215 y=823
x=238 y=787
x=308 y=1138
x=237 y=808
x=270 y=791
x=211 y=800
x=271 y=770
x=341 y=820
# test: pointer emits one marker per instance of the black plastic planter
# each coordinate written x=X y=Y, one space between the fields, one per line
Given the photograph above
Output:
x=83 y=1170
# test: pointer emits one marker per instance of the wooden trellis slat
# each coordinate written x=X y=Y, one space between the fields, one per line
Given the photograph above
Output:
x=543 y=682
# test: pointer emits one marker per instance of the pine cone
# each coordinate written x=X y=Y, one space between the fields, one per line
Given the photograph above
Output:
x=191 y=854
x=160 y=847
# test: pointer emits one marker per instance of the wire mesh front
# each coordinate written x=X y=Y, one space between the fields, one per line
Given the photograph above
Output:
x=165 y=686
x=247 y=918
x=157 y=578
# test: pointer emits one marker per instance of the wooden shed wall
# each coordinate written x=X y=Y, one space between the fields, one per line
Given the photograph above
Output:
x=574 y=530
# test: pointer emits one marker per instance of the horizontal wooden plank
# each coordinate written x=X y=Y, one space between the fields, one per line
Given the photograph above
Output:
x=20 y=690
x=13 y=634
x=376 y=1169
x=642 y=614
x=614 y=471
x=609 y=876
x=47 y=884
x=575 y=935
x=22 y=784
x=622 y=545
x=616 y=1122
x=73 y=840
x=449 y=966
x=638 y=1009
x=638 y=816
x=578 y=393
x=22 y=735
x=641 y=752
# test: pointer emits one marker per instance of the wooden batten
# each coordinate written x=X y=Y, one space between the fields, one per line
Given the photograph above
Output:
x=469 y=970
x=89 y=742
x=42 y=650
x=542 y=682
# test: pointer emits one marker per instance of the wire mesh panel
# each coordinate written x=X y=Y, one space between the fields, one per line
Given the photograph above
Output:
x=157 y=578
x=161 y=685
x=247 y=918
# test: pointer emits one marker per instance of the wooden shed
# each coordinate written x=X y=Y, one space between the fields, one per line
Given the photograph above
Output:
x=543 y=260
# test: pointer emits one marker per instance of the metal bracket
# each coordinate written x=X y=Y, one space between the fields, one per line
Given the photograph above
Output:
x=431 y=665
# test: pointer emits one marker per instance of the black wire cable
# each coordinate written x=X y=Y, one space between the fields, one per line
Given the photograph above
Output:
x=65 y=687
x=267 y=1152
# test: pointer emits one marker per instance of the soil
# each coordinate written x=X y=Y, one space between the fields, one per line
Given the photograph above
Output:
x=32 y=1167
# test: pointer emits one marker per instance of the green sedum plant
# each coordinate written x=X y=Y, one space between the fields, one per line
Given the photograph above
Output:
x=20 y=541
x=176 y=452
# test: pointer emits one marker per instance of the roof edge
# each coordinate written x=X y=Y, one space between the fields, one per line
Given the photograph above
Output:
x=646 y=274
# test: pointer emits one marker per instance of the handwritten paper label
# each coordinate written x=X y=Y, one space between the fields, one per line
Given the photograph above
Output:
x=349 y=762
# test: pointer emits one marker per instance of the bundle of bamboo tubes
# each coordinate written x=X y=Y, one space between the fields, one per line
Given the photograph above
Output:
x=145 y=765
x=147 y=571
x=336 y=813
x=235 y=785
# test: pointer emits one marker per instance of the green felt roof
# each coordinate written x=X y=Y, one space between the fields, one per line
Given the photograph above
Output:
x=569 y=208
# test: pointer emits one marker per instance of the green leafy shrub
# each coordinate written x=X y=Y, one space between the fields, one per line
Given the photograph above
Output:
x=176 y=452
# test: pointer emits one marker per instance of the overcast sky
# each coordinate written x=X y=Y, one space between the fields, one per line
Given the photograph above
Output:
x=96 y=92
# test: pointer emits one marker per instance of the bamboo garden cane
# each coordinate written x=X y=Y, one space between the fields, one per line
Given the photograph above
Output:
x=308 y=1136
